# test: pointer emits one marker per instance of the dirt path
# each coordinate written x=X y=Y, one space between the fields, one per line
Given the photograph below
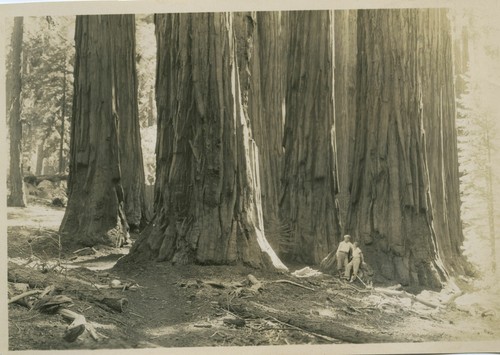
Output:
x=179 y=306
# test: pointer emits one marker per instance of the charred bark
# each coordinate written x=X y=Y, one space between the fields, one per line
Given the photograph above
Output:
x=207 y=192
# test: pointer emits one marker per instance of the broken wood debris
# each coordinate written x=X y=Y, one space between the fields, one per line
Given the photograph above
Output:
x=256 y=285
x=405 y=294
x=23 y=295
x=51 y=304
x=78 y=325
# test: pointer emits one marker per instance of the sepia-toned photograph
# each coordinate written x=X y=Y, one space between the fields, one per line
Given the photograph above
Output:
x=255 y=178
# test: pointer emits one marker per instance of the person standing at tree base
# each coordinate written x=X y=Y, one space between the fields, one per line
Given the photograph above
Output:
x=343 y=251
x=355 y=263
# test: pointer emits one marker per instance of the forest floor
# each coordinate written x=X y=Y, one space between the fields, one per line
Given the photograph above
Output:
x=193 y=306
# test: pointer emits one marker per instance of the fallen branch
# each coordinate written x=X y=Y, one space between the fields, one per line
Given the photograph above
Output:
x=405 y=294
x=48 y=291
x=23 y=295
x=294 y=283
x=348 y=285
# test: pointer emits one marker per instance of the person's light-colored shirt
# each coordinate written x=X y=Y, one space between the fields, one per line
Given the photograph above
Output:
x=357 y=253
x=344 y=247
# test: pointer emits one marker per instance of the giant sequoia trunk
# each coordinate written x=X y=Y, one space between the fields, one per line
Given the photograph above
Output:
x=125 y=82
x=307 y=205
x=404 y=197
x=98 y=155
x=16 y=196
x=260 y=69
x=207 y=192
x=345 y=103
x=438 y=97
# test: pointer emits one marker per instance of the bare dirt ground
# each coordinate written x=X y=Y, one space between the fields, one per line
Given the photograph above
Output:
x=186 y=306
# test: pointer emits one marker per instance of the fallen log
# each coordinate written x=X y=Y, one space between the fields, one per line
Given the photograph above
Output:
x=405 y=294
x=81 y=289
x=330 y=328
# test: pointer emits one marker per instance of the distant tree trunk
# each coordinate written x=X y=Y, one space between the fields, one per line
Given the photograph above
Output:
x=398 y=208
x=307 y=205
x=63 y=118
x=207 y=193
x=39 y=157
x=345 y=103
x=491 y=206
x=125 y=86
x=95 y=211
x=16 y=196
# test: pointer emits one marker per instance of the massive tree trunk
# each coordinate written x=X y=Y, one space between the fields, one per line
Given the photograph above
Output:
x=439 y=113
x=307 y=205
x=404 y=155
x=125 y=84
x=95 y=211
x=207 y=193
x=260 y=70
x=16 y=196
x=345 y=103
